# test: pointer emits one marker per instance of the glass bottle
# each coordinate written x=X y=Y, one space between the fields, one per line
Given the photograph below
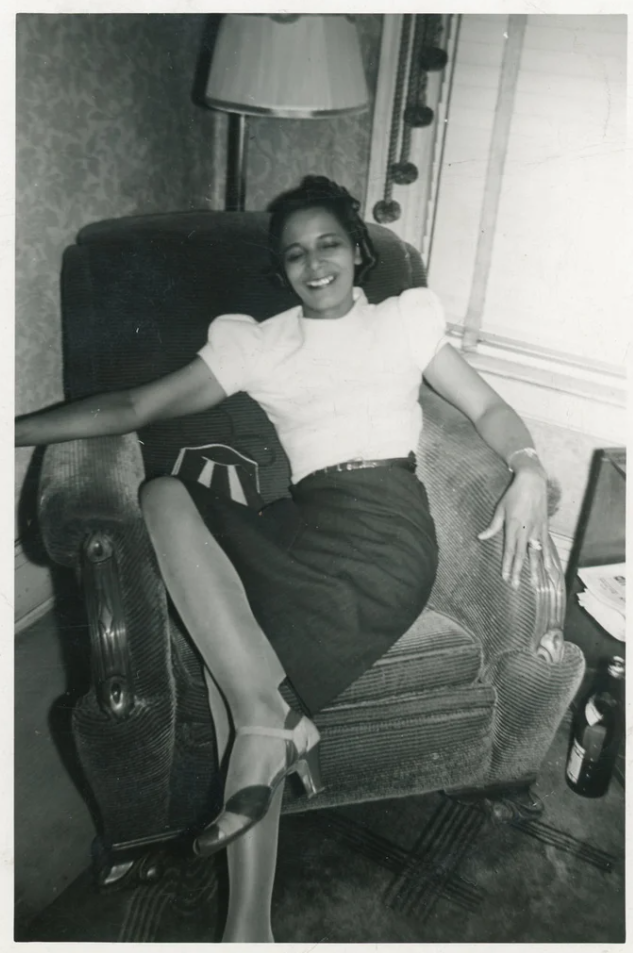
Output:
x=596 y=734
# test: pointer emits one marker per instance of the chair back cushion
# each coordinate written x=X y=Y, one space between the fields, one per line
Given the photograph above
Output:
x=138 y=295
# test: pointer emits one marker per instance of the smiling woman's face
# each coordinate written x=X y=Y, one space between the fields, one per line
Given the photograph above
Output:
x=319 y=260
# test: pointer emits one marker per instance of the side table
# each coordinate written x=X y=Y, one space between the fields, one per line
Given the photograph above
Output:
x=599 y=541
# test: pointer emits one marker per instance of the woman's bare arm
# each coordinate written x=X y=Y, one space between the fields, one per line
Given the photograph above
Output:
x=191 y=389
x=497 y=423
x=522 y=512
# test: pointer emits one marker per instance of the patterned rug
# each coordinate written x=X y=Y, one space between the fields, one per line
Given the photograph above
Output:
x=423 y=869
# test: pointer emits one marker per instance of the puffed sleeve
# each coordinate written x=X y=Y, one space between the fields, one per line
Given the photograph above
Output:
x=423 y=318
x=232 y=352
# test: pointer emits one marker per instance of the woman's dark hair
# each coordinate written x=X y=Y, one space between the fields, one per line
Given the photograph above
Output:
x=316 y=191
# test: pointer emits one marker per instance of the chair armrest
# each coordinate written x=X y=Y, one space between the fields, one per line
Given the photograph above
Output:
x=465 y=480
x=124 y=727
x=90 y=520
x=84 y=485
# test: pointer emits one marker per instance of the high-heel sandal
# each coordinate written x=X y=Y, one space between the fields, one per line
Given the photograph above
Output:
x=253 y=802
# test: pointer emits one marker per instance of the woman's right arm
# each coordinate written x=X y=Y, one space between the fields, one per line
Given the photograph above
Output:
x=187 y=391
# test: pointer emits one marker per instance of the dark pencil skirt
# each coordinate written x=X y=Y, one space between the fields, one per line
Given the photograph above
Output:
x=334 y=575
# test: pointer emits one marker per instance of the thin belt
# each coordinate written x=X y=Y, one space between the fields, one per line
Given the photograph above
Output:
x=403 y=463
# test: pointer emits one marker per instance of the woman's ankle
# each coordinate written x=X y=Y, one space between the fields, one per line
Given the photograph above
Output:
x=244 y=936
x=248 y=930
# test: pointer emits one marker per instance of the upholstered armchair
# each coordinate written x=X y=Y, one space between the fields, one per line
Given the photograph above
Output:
x=468 y=699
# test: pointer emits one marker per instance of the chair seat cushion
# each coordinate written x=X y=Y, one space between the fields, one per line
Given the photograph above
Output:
x=436 y=652
x=410 y=743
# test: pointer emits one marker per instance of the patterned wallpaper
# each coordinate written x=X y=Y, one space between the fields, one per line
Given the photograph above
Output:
x=106 y=126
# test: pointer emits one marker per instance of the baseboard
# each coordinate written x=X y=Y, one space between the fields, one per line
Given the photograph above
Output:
x=33 y=590
x=33 y=615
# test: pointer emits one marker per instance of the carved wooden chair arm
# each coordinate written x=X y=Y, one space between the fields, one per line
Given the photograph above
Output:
x=112 y=674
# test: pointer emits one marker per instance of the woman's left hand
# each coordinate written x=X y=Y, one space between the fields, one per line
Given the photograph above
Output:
x=522 y=512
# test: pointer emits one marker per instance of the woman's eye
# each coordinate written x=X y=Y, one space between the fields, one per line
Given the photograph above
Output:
x=293 y=256
x=331 y=243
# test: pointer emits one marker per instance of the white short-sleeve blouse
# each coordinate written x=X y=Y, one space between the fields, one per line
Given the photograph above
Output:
x=334 y=389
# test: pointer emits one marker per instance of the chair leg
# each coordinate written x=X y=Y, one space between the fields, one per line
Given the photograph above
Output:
x=117 y=866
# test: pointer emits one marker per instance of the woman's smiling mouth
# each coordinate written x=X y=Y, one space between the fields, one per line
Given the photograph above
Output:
x=317 y=283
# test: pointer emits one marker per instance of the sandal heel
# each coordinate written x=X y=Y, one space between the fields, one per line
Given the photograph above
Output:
x=309 y=770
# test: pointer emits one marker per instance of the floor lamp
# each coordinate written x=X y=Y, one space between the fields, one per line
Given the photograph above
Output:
x=289 y=66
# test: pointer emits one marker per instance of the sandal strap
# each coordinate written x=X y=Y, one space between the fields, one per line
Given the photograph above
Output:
x=293 y=719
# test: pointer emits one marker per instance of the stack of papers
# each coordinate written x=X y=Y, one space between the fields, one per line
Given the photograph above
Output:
x=605 y=596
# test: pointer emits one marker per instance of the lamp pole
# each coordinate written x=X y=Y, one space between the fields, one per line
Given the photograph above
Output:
x=236 y=163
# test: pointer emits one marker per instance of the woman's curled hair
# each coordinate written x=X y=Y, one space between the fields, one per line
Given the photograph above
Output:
x=317 y=191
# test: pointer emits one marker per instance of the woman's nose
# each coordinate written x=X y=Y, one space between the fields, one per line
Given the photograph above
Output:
x=313 y=258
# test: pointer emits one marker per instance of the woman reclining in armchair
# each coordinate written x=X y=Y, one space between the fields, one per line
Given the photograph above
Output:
x=291 y=605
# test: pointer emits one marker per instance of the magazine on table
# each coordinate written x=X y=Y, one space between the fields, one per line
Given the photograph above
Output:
x=604 y=596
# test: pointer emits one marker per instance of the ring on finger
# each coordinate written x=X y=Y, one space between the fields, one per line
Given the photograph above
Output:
x=535 y=544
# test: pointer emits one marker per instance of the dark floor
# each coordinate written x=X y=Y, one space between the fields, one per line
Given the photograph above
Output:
x=423 y=869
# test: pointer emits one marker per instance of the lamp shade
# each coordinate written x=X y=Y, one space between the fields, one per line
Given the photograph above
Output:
x=295 y=66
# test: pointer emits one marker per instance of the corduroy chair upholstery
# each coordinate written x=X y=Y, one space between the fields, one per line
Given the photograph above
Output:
x=464 y=699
